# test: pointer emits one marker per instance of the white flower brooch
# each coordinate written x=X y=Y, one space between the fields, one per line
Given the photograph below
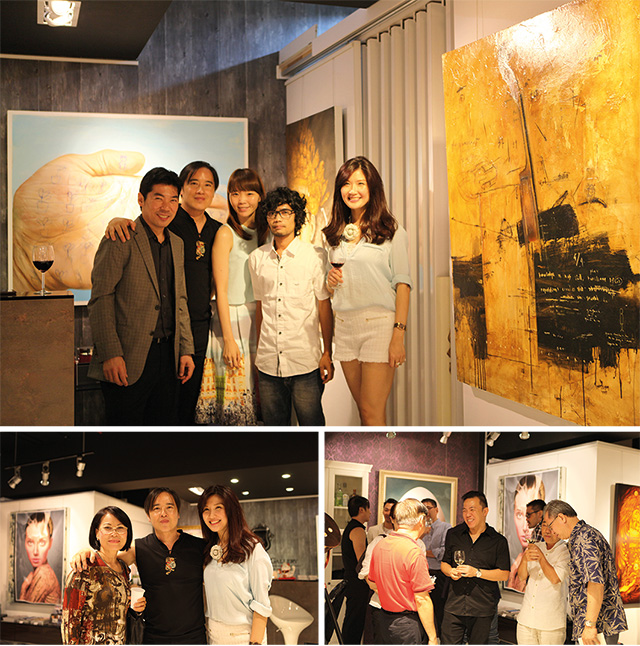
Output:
x=351 y=232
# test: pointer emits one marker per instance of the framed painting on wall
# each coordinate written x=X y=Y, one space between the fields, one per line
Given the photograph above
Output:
x=515 y=492
x=401 y=485
x=37 y=556
x=70 y=173
x=626 y=541
x=314 y=154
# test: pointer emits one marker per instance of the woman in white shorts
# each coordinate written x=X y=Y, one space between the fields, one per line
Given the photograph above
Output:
x=370 y=293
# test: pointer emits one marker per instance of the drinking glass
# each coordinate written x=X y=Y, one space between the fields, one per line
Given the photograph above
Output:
x=42 y=257
x=337 y=258
x=458 y=557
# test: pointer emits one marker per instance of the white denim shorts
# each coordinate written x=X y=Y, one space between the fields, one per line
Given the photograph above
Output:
x=219 y=633
x=364 y=335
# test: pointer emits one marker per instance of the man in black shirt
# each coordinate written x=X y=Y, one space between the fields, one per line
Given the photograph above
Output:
x=473 y=594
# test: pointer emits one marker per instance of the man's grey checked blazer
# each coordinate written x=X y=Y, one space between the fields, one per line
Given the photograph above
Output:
x=125 y=300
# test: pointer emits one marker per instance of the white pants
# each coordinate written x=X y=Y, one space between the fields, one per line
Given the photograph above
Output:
x=219 y=633
x=528 y=635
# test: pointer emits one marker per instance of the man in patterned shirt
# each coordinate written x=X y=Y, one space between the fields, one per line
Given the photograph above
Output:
x=535 y=510
x=594 y=596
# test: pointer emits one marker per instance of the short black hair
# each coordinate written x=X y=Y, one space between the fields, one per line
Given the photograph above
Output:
x=192 y=167
x=158 y=175
x=355 y=503
x=97 y=519
x=537 y=504
x=278 y=197
x=424 y=501
x=153 y=495
x=476 y=494
x=393 y=501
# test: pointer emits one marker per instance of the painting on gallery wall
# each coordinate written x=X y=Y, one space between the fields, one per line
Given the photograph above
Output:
x=626 y=541
x=70 y=173
x=401 y=485
x=515 y=492
x=314 y=154
x=544 y=195
x=37 y=556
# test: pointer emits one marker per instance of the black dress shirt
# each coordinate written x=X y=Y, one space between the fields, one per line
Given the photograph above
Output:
x=471 y=596
x=175 y=604
x=197 y=261
x=163 y=260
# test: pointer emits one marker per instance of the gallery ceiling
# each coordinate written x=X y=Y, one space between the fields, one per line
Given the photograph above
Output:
x=127 y=464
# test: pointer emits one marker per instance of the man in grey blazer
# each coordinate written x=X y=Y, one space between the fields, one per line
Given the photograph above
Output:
x=138 y=312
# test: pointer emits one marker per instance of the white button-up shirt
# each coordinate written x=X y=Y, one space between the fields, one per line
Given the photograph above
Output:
x=287 y=288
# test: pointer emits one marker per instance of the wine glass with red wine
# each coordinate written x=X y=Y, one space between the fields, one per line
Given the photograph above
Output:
x=337 y=258
x=42 y=256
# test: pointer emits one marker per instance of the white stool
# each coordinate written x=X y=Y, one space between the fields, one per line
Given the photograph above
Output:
x=289 y=618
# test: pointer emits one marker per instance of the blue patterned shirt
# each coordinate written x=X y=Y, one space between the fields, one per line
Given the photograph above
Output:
x=592 y=561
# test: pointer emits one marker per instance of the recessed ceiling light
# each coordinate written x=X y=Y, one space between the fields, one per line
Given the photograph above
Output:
x=234 y=480
x=245 y=493
x=289 y=489
x=286 y=475
x=196 y=490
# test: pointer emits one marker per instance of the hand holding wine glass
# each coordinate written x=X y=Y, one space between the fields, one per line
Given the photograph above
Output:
x=458 y=557
x=337 y=258
x=42 y=256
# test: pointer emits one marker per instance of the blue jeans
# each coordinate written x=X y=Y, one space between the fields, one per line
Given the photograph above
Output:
x=304 y=392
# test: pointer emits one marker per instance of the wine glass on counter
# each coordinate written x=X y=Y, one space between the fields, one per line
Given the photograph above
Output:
x=458 y=557
x=337 y=258
x=43 y=257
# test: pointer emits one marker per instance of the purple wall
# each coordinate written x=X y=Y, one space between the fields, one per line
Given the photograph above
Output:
x=415 y=452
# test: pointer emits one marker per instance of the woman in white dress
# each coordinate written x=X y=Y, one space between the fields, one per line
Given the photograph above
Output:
x=228 y=392
x=237 y=573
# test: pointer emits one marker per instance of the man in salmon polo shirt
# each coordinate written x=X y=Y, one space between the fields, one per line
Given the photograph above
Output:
x=400 y=574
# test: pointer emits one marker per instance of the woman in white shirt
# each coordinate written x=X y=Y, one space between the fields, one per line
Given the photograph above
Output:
x=545 y=568
x=237 y=573
x=370 y=293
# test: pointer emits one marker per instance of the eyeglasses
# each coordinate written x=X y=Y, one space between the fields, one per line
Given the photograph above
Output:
x=107 y=529
x=550 y=525
x=285 y=214
x=532 y=513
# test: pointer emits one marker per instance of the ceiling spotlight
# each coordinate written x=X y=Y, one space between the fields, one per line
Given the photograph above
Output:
x=245 y=493
x=286 y=476
x=16 y=478
x=289 y=489
x=525 y=435
x=58 y=13
x=196 y=490
x=80 y=466
x=492 y=437
x=234 y=480
x=45 y=474
x=445 y=437
x=391 y=435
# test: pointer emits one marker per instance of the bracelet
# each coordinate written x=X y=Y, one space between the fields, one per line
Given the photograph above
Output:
x=400 y=326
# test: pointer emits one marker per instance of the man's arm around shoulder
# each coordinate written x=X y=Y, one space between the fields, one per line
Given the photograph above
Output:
x=183 y=321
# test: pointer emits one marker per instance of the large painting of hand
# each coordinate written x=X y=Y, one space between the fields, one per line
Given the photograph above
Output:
x=67 y=203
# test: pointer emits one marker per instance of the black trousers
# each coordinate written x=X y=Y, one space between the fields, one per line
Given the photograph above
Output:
x=189 y=391
x=152 y=400
x=455 y=626
x=438 y=598
x=399 y=628
x=357 y=594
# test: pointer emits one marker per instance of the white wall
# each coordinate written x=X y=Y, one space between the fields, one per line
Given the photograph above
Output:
x=591 y=472
x=81 y=510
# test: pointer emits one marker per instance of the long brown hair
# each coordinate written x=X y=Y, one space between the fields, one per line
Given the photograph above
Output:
x=243 y=179
x=242 y=540
x=377 y=224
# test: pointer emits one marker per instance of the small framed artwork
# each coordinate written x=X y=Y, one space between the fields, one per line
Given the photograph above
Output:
x=401 y=485
x=515 y=492
x=626 y=547
x=37 y=552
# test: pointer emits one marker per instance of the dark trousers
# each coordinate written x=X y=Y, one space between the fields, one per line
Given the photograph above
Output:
x=399 y=628
x=455 y=626
x=190 y=390
x=152 y=399
x=438 y=598
x=302 y=392
x=358 y=594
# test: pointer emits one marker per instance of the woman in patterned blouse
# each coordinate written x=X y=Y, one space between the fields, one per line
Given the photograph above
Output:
x=96 y=600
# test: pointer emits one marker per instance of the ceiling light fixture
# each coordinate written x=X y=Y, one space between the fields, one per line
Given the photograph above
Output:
x=391 y=435
x=289 y=489
x=492 y=437
x=58 y=13
x=234 y=480
x=16 y=478
x=196 y=490
x=45 y=474
x=525 y=435
x=80 y=466
x=445 y=437
x=245 y=493
x=286 y=476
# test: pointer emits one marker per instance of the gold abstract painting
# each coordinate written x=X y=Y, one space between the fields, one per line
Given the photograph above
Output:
x=543 y=156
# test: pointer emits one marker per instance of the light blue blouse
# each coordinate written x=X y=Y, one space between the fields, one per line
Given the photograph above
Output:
x=235 y=591
x=372 y=272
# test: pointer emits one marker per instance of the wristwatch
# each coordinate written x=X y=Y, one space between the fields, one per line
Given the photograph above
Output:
x=478 y=573
x=590 y=624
